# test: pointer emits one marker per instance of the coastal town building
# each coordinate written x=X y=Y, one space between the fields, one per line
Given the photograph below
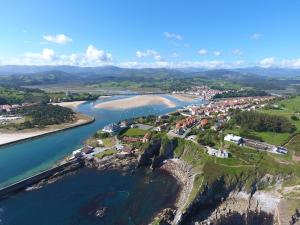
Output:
x=161 y=127
x=185 y=123
x=220 y=153
x=233 y=138
x=87 y=150
x=146 y=137
x=111 y=128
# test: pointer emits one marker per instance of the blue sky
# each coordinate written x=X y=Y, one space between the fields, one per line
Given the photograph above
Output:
x=156 y=33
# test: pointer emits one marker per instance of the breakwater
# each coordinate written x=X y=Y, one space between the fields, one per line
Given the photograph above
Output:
x=57 y=170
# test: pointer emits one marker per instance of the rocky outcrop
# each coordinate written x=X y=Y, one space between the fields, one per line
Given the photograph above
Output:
x=112 y=162
x=185 y=176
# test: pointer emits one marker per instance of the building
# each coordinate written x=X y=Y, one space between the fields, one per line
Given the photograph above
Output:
x=184 y=124
x=221 y=153
x=161 y=127
x=281 y=150
x=77 y=153
x=146 y=137
x=87 y=150
x=203 y=122
x=111 y=128
x=233 y=138
x=131 y=139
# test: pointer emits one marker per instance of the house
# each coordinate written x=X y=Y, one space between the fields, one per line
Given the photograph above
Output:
x=192 y=138
x=119 y=147
x=161 y=127
x=164 y=117
x=126 y=123
x=221 y=153
x=146 y=137
x=203 y=122
x=87 y=150
x=281 y=150
x=111 y=128
x=6 y=108
x=233 y=138
x=184 y=124
x=131 y=139
x=77 y=153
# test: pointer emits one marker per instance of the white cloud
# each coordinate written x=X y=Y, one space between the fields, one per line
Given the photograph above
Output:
x=283 y=63
x=169 y=35
x=174 y=55
x=94 y=54
x=255 y=36
x=47 y=55
x=202 y=52
x=149 y=53
x=217 y=53
x=267 y=62
x=58 y=39
x=237 y=51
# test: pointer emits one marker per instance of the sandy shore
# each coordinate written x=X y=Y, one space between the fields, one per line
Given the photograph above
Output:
x=11 y=137
x=72 y=105
x=136 y=101
x=182 y=97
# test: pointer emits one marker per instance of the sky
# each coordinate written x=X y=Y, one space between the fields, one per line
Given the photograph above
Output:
x=151 y=33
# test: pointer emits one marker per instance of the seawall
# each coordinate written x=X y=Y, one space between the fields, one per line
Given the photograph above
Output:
x=22 y=184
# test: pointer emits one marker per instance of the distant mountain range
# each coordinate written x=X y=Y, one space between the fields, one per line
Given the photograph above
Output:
x=113 y=70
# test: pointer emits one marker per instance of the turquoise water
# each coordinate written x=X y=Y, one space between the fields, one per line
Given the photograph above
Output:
x=128 y=199
x=24 y=159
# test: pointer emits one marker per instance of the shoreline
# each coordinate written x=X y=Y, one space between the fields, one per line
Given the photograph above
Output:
x=184 y=97
x=183 y=174
x=134 y=102
x=71 y=105
x=41 y=133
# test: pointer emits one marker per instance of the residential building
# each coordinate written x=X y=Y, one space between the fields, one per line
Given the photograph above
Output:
x=233 y=138
x=111 y=128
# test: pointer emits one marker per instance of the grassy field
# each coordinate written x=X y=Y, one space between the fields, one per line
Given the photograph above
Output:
x=287 y=108
x=106 y=153
x=109 y=142
x=134 y=132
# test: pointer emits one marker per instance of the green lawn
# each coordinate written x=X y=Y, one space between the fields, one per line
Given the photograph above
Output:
x=134 y=132
x=106 y=153
x=109 y=142
x=288 y=108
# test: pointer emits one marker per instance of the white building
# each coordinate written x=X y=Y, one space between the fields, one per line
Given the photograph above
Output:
x=233 y=138
x=221 y=153
x=111 y=128
x=281 y=150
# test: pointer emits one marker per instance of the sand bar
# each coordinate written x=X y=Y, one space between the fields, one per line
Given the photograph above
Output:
x=72 y=105
x=183 y=97
x=136 y=101
x=11 y=137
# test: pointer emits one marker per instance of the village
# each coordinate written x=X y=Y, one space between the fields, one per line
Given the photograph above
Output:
x=126 y=137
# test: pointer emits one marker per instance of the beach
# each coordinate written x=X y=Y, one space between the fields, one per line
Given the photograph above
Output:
x=136 y=101
x=72 y=105
x=11 y=137
x=184 y=97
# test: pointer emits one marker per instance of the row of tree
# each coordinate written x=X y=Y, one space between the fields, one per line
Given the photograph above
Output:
x=243 y=93
x=43 y=115
x=263 y=122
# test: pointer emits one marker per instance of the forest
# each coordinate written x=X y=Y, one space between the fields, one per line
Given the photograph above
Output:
x=258 y=121
x=44 y=114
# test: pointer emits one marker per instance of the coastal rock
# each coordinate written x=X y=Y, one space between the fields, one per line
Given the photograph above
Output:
x=100 y=213
x=185 y=176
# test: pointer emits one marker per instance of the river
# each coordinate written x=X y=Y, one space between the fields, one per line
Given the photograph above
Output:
x=130 y=199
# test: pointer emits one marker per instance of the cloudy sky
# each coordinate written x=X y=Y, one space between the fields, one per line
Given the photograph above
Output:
x=156 y=33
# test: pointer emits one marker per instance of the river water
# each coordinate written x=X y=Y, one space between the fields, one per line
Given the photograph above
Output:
x=129 y=198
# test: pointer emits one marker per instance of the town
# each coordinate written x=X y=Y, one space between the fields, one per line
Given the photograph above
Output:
x=189 y=123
